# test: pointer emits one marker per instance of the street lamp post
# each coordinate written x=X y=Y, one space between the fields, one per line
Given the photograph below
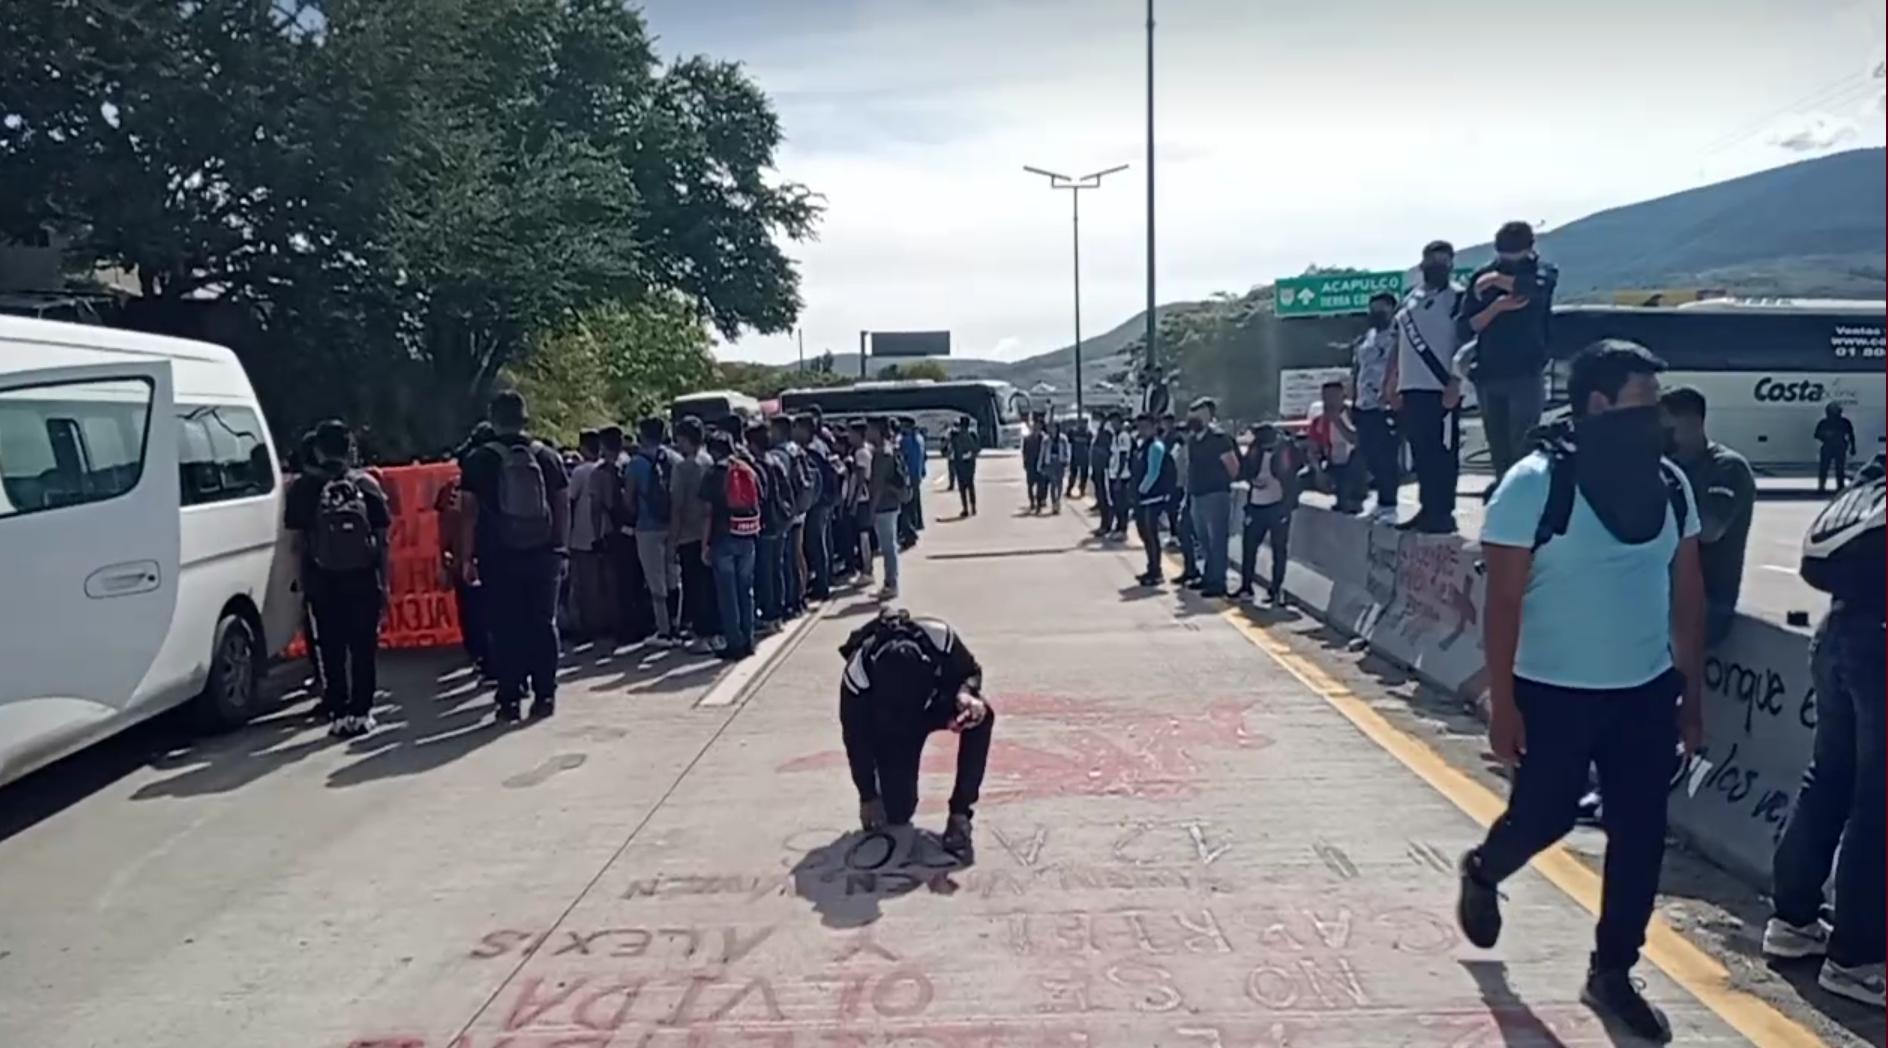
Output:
x=1154 y=391
x=1075 y=185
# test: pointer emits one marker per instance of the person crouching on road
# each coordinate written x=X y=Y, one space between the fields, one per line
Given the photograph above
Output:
x=904 y=679
x=340 y=519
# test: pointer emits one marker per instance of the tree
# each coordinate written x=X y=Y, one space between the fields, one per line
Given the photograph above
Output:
x=614 y=363
x=765 y=382
x=916 y=369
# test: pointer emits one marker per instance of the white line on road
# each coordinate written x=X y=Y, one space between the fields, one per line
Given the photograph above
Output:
x=727 y=691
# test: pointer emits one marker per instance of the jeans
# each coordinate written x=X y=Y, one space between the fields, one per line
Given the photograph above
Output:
x=698 y=591
x=819 y=552
x=1631 y=736
x=911 y=515
x=768 y=583
x=347 y=610
x=793 y=568
x=1377 y=440
x=1261 y=523
x=1052 y=479
x=1147 y=527
x=885 y=528
x=1842 y=794
x=521 y=599
x=1832 y=460
x=1424 y=422
x=1212 y=524
x=734 y=587
x=1510 y=408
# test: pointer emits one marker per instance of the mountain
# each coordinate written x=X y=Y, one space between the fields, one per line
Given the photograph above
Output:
x=1812 y=229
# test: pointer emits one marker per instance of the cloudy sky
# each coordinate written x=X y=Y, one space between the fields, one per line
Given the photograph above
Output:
x=1289 y=132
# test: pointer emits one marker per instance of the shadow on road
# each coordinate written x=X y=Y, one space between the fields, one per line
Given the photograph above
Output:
x=847 y=879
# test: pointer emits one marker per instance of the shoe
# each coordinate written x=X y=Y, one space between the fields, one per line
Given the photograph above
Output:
x=957 y=839
x=1412 y=524
x=1213 y=594
x=1383 y=515
x=1193 y=582
x=727 y=654
x=1275 y=597
x=889 y=593
x=337 y=728
x=871 y=816
x=1244 y=593
x=664 y=641
x=507 y=713
x=1589 y=811
x=1614 y=995
x=1789 y=942
x=1863 y=982
x=543 y=708
x=1149 y=579
x=768 y=627
x=1477 y=907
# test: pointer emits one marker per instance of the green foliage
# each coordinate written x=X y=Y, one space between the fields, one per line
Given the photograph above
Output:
x=916 y=369
x=765 y=382
x=412 y=197
x=614 y=364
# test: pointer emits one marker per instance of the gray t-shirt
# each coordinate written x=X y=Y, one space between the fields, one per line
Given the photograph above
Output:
x=691 y=511
x=1726 y=491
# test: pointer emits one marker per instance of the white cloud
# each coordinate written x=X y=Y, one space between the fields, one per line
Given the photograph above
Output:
x=1812 y=132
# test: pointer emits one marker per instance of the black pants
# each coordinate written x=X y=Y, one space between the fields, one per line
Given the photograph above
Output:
x=1834 y=460
x=346 y=610
x=698 y=592
x=1038 y=487
x=965 y=471
x=1147 y=526
x=1377 y=440
x=635 y=616
x=819 y=552
x=1104 y=503
x=1631 y=736
x=1424 y=423
x=1078 y=471
x=1180 y=519
x=1120 y=508
x=474 y=633
x=896 y=759
x=521 y=603
x=1261 y=523
x=1842 y=795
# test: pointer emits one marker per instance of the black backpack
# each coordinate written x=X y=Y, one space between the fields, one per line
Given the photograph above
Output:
x=1558 y=511
x=895 y=635
x=658 y=500
x=343 y=536
x=1844 y=548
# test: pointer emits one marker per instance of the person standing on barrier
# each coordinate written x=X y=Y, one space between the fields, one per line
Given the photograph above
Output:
x=517 y=507
x=1594 y=638
x=904 y=679
x=1425 y=391
x=1370 y=411
x=340 y=520
x=1727 y=501
x=688 y=531
x=1212 y=463
x=1153 y=482
x=1841 y=800
x=1506 y=314
x=1271 y=471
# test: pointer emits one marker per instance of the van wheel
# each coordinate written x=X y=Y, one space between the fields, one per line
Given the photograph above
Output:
x=230 y=696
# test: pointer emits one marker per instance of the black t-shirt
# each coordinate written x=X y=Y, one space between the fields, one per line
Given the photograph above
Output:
x=303 y=501
x=1206 y=473
x=479 y=470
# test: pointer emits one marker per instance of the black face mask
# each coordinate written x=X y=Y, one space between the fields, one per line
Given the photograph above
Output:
x=1379 y=320
x=1196 y=427
x=1616 y=466
x=1435 y=274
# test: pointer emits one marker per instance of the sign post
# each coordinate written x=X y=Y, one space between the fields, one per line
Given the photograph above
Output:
x=1334 y=294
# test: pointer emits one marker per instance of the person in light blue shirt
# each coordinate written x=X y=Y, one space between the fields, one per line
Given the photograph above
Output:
x=1593 y=628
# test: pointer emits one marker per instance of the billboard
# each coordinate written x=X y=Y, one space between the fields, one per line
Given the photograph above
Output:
x=911 y=343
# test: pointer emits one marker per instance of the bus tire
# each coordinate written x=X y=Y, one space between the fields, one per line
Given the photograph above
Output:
x=232 y=694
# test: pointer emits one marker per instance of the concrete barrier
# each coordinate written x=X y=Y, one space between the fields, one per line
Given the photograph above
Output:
x=1418 y=601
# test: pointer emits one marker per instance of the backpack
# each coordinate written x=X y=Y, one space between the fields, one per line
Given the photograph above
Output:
x=1843 y=550
x=1558 y=511
x=827 y=472
x=343 y=538
x=901 y=475
x=744 y=494
x=523 y=508
x=803 y=481
x=895 y=635
x=656 y=498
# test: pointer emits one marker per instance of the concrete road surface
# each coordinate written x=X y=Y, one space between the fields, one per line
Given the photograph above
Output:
x=1191 y=835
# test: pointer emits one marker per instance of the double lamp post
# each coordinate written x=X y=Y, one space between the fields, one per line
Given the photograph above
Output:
x=1075 y=185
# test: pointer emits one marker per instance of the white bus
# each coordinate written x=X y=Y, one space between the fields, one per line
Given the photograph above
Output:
x=141 y=548
x=998 y=408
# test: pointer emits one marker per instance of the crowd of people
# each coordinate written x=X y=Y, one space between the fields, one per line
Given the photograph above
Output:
x=704 y=535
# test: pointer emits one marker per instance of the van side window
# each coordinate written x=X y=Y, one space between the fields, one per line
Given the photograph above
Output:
x=221 y=455
x=71 y=443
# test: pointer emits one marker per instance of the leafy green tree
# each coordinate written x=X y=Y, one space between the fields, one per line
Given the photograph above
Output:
x=916 y=369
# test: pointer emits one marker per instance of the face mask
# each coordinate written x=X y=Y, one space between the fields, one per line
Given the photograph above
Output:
x=1435 y=275
x=1196 y=426
x=1616 y=465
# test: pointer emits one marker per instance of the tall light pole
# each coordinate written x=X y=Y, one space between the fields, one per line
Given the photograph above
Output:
x=1156 y=382
x=1075 y=186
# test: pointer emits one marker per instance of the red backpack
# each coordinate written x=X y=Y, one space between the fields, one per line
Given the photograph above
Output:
x=744 y=498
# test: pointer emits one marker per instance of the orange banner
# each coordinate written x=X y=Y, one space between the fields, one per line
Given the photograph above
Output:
x=423 y=613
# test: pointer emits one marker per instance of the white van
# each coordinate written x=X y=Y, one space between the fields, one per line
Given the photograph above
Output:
x=140 y=512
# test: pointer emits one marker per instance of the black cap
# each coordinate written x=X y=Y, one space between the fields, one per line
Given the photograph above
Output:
x=1438 y=246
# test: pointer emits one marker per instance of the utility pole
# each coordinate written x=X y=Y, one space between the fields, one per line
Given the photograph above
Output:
x=799 y=336
x=863 y=335
x=1155 y=384
x=1075 y=187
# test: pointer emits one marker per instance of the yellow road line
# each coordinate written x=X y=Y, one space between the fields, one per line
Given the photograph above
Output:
x=1691 y=968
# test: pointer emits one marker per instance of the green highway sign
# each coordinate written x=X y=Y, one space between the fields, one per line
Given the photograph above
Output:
x=1334 y=294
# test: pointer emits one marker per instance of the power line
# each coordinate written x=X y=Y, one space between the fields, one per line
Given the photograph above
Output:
x=1829 y=94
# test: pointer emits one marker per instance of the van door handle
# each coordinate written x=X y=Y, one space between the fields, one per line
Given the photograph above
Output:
x=122 y=580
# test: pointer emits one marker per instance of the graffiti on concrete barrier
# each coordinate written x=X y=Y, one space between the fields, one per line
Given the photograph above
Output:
x=1094 y=750
x=1424 y=585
